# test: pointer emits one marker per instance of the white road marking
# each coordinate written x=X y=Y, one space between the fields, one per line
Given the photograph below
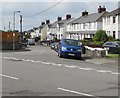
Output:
x=64 y=65
x=115 y=73
x=11 y=77
x=70 y=66
x=59 y=64
x=101 y=71
x=75 y=92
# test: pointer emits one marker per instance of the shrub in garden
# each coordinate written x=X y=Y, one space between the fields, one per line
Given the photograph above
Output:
x=100 y=35
x=110 y=38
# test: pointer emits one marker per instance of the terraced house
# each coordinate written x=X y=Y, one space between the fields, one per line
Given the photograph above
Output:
x=86 y=25
x=111 y=23
x=58 y=28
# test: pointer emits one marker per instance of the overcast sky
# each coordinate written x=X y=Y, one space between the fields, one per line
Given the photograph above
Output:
x=30 y=9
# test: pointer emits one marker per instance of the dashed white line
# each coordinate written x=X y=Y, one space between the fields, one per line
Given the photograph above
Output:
x=64 y=65
x=75 y=92
x=70 y=66
x=11 y=77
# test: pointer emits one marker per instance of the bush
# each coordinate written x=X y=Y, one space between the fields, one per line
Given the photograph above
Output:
x=110 y=38
x=86 y=42
x=92 y=43
x=100 y=35
x=98 y=43
x=117 y=39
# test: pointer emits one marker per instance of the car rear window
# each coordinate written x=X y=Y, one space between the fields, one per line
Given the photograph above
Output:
x=108 y=43
x=118 y=42
x=71 y=42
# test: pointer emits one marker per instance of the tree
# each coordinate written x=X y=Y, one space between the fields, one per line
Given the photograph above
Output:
x=100 y=36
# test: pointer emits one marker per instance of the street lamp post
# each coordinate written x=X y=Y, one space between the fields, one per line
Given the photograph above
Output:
x=14 y=19
x=14 y=27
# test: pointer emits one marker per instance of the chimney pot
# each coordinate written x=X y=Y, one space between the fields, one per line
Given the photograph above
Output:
x=42 y=23
x=68 y=16
x=47 y=21
x=84 y=13
x=59 y=18
x=101 y=9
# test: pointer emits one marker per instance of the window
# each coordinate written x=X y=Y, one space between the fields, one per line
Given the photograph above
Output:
x=90 y=25
x=84 y=26
x=77 y=26
x=108 y=20
x=94 y=25
x=105 y=20
x=118 y=19
x=113 y=34
x=80 y=26
x=108 y=43
x=73 y=26
x=114 y=19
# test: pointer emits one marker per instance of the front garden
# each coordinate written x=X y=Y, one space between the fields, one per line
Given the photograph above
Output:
x=98 y=40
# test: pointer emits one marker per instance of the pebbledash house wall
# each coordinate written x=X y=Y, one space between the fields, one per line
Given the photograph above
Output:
x=91 y=26
x=44 y=31
x=110 y=27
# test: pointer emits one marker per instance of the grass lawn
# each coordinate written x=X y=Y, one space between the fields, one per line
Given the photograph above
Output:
x=112 y=55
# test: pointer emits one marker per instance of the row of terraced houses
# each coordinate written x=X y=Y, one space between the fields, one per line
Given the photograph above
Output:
x=84 y=26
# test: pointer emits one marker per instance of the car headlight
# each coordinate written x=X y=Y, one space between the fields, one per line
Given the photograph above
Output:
x=64 y=48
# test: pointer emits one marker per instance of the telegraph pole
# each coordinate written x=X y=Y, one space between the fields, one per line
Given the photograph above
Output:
x=9 y=26
x=21 y=34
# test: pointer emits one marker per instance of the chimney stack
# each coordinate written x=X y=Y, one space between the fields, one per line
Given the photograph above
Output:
x=85 y=13
x=47 y=21
x=42 y=23
x=59 y=18
x=101 y=9
x=68 y=16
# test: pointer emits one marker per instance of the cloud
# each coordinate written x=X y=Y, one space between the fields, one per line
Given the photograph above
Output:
x=29 y=9
x=59 y=0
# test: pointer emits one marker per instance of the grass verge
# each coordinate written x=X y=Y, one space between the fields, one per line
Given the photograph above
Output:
x=112 y=55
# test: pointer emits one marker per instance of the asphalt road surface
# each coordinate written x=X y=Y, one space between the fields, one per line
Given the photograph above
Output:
x=40 y=72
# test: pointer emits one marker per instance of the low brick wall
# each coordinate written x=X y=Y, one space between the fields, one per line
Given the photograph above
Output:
x=95 y=52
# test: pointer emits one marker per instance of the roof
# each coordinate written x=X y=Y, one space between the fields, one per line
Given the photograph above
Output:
x=61 y=22
x=114 y=12
x=89 y=18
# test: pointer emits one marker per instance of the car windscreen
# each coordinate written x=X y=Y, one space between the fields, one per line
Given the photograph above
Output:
x=71 y=42
x=118 y=42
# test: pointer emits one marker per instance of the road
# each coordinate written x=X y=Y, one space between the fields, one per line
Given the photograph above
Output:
x=40 y=72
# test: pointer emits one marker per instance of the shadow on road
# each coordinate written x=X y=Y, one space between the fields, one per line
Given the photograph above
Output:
x=20 y=50
x=83 y=58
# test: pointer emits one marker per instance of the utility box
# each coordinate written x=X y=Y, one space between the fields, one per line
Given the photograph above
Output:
x=9 y=40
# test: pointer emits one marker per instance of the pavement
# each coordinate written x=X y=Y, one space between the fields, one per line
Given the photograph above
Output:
x=112 y=62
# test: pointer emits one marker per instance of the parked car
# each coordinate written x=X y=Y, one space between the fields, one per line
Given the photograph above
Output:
x=70 y=47
x=113 y=46
x=24 y=43
x=31 y=41
x=54 y=46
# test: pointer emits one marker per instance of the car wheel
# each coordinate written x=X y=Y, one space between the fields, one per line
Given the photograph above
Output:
x=80 y=57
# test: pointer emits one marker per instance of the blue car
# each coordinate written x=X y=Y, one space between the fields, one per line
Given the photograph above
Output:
x=70 y=47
